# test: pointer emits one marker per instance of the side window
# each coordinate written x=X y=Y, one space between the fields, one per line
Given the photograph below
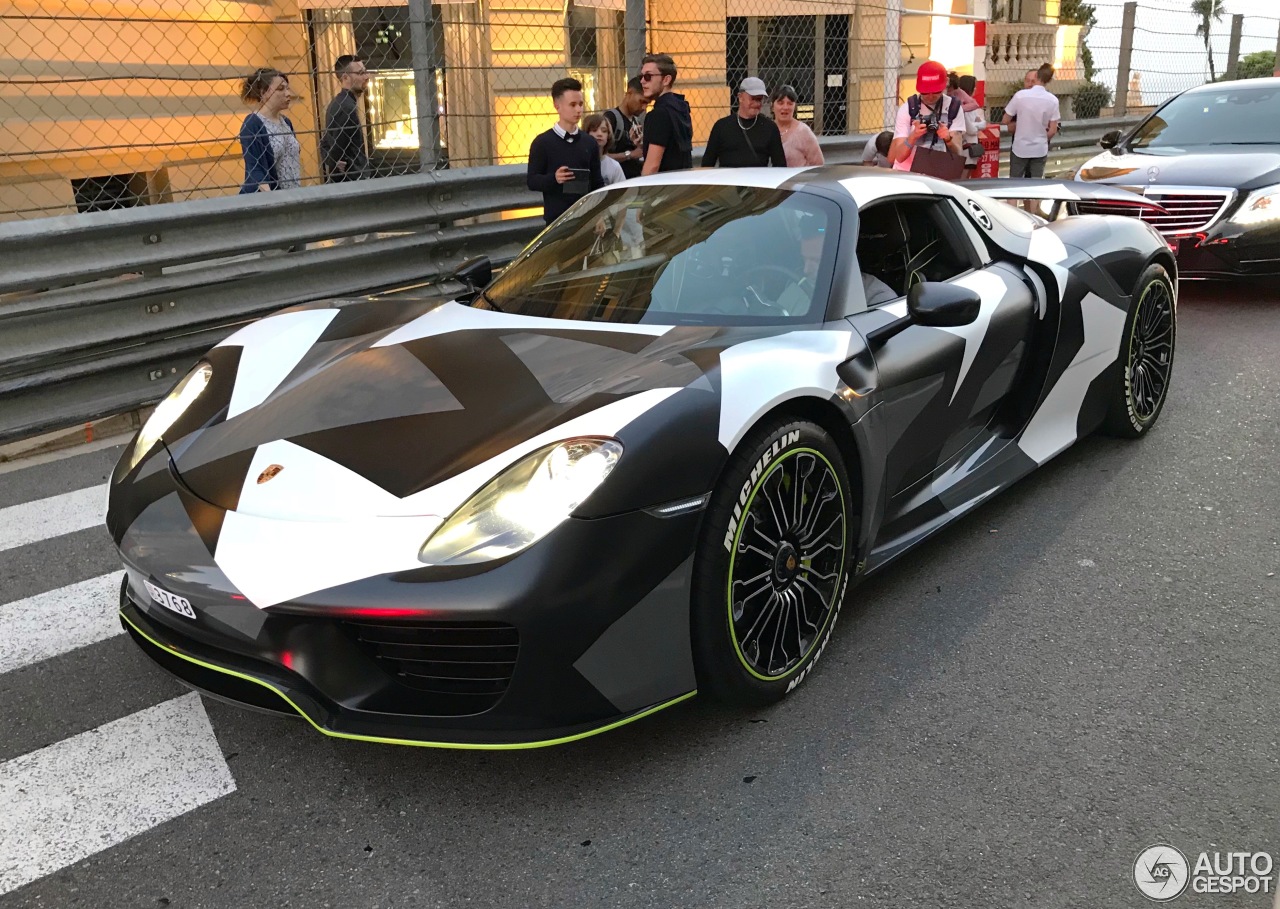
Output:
x=971 y=235
x=904 y=242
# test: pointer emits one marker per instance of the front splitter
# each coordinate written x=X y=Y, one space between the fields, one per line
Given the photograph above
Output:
x=245 y=689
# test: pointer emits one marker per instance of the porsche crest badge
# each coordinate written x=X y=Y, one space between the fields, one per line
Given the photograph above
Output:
x=270 y=473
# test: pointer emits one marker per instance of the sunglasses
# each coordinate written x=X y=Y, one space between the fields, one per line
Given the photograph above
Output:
x=645 y=77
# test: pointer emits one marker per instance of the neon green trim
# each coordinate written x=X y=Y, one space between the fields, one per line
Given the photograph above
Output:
x=385 y=741
x=733 y=635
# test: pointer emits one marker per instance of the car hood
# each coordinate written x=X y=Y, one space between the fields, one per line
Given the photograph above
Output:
x=1239 y=167
x=366 y=423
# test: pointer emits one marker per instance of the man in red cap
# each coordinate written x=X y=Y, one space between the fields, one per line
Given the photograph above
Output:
x=929 y=119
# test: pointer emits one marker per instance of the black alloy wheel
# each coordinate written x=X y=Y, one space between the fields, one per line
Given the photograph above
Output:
x=772 y=563
x=1146 y=353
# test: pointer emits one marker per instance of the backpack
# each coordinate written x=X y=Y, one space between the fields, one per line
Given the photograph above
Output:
x=949 y=115
x=621 y=130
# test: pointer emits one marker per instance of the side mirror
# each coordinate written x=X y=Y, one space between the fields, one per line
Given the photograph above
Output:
x=476 y=272
x=942 y=305
x=1110 y=139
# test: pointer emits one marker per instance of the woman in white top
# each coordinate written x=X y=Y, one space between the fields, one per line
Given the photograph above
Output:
x=798 y=141
x=597 y=126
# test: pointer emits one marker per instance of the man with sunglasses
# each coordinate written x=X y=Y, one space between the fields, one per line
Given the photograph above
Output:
x=342 y=148
x=668 y=128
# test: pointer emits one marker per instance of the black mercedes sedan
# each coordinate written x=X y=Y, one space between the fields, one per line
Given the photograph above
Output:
x=1211 y=158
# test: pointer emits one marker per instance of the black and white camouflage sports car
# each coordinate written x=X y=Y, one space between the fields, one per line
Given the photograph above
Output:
x=646 y=461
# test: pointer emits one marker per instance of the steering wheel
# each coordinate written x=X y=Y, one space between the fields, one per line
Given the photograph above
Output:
x=789 y=276
x=759 y=302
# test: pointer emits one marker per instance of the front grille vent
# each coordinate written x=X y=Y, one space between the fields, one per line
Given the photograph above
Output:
x=1185 y=213
x=464 y=668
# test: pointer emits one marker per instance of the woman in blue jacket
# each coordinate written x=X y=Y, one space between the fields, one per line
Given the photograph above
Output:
x=272 y=156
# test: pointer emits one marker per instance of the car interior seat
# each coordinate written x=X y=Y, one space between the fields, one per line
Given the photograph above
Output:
x=883 y=241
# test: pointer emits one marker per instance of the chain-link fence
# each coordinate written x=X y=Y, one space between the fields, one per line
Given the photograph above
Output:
x=1173 y=48
x=112 y=103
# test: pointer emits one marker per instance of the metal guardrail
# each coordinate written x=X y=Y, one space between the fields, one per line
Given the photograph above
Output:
x=100 y=313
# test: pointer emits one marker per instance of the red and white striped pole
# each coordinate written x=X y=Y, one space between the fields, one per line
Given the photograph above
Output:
x=981 y=8
x=989 y=163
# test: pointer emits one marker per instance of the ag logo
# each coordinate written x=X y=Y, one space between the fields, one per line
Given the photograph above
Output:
x=1161 y=872
x=978 y=214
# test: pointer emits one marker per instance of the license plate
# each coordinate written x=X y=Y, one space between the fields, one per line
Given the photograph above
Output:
x=170 y=601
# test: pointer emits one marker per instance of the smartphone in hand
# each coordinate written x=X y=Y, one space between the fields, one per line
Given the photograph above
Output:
x=580 y=184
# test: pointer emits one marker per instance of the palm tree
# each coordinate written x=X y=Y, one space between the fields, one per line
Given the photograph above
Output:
x=1209 y=11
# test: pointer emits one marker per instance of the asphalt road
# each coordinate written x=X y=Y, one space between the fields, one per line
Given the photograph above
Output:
x=1082 y=668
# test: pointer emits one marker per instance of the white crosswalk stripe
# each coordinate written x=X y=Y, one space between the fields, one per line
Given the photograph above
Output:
x=59 y=621
x=44 y=519
x=95 y=790
x=88 y=793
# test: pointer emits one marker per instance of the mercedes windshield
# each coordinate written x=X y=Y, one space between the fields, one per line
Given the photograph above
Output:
x=1239 y=115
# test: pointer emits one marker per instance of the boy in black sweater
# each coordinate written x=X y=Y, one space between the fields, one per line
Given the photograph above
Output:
x=555 y=155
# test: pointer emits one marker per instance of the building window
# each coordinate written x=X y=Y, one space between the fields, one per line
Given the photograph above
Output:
x=383 y=39
x=110 y=193
x=584 y=51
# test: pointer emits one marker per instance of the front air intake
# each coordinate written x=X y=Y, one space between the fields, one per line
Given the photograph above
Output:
x=463 y=668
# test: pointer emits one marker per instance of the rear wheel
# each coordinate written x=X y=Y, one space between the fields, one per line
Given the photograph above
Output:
x=1146 y=357
x=772 y=563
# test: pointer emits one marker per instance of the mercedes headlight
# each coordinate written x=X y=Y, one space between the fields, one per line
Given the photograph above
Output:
x=167 y=411
x=523 y=503
x=1261 y=206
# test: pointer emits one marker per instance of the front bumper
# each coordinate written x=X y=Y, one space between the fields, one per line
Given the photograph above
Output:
x=585 y=631
x=1228 y=250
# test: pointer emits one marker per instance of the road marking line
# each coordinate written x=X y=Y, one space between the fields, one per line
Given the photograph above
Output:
x=23 y=461
x=59 y=621
x=43 y=519
x=95 y=790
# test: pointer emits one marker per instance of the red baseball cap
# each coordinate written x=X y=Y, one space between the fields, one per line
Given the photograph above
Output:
x=931 y=77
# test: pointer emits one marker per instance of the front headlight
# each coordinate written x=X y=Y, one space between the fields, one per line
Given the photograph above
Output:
x=1261 y=207
x=168 y=410
x=523 y=504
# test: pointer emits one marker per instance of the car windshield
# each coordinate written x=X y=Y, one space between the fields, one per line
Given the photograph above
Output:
x=678 y=255
x=1228 y=116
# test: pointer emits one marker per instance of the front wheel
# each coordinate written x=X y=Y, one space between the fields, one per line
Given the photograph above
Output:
x=1146 y=357
x=772 y=563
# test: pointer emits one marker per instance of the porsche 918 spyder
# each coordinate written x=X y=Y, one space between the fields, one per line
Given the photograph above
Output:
x=647 y=460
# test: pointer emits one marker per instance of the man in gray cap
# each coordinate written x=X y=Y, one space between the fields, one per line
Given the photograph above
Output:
x=745 y=138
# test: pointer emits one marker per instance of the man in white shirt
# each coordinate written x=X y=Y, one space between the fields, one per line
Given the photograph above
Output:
x=930 y=105
x=1037 y=113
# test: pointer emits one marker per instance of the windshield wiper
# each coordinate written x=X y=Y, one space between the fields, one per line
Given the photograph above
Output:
x=489 y=301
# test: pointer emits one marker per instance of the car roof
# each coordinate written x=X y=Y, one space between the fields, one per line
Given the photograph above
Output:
x=1269 y=82
x=863 y=184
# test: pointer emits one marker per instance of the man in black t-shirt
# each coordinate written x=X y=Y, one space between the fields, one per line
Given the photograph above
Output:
x=627 y=122
x=668 y=128
x=564 y=162
x=745 y=138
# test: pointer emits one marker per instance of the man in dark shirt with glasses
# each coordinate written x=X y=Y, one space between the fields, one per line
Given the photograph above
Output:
x=668 y=128
x=342 y=147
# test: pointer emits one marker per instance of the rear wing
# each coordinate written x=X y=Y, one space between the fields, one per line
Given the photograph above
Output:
x=1060 y=191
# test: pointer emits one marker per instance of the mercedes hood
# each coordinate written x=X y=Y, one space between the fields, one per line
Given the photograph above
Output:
x=1233 y=167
